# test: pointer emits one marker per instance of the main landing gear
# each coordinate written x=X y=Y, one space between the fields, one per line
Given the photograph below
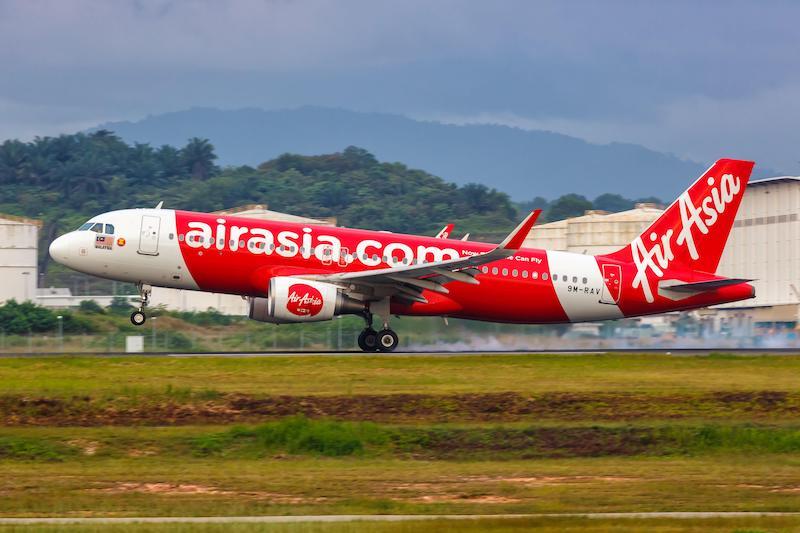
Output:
x=138 y=317
x=370 y=340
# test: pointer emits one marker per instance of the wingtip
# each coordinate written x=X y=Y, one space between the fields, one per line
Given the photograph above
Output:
x=517 y=237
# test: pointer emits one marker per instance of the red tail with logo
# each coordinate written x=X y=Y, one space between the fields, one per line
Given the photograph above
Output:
x=691 y=233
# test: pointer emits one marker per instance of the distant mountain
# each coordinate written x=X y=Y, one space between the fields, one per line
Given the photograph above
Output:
x=522 y=163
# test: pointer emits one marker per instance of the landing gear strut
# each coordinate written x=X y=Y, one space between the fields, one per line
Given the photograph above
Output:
x=138 y=317
x=384 y=340
x=368 y=338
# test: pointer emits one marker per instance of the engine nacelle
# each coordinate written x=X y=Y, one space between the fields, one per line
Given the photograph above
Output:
x=299 y=300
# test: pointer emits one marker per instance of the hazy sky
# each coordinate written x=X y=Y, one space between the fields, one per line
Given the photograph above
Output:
x=699 y=79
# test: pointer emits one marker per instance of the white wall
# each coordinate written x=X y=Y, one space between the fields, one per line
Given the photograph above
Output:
x=765 y=241
x=18 y=261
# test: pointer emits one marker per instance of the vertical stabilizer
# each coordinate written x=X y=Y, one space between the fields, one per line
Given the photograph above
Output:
x=692 y=232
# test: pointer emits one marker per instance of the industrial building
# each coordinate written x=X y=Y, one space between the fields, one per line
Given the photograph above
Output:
x=18 y=257
x=594 y=233
x=765 y=246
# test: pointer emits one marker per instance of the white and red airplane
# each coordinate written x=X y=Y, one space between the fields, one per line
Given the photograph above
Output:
x=305 y=273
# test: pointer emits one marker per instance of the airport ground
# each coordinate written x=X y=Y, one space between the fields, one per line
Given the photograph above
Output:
x=399 y=434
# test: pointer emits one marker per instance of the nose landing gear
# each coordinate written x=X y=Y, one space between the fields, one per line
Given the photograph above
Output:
x=138 y=317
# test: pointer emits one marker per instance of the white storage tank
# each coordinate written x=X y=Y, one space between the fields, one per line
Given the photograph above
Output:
x=18 y=257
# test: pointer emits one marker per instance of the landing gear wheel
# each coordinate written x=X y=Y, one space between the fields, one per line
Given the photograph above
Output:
x=368 y=340
x=138 y=318
x=387 y=340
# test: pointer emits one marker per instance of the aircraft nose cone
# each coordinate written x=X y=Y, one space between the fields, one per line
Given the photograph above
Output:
x=59 y=249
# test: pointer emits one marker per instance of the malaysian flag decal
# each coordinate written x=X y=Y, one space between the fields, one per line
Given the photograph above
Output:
x=104 y=242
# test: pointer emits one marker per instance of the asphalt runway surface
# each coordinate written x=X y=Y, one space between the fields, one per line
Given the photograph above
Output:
x=377 y=518
x=439 y=353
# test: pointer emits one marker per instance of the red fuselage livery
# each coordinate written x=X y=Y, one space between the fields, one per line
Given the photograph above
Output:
x=300 y=273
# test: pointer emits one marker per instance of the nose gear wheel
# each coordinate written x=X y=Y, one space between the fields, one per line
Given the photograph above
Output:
x=138 y=317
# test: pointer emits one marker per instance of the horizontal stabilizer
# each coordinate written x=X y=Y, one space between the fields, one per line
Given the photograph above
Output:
x=703 y=286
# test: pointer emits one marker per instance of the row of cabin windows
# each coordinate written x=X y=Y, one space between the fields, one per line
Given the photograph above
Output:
x=97 y=227
x=533 y=275
x=375 y=257
x=514 y=273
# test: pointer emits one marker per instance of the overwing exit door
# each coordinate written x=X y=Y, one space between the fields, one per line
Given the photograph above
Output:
x=612 y=284
x=148 y=235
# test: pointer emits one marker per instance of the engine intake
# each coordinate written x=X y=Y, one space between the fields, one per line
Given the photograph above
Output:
x=292 y=300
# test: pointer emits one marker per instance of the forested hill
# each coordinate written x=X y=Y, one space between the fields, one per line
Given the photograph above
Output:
x=66 y=179
x=519 y=162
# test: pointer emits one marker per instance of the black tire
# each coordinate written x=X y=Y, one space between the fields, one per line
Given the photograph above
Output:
x=138 y=318
x=387 y=340
x=368 y=340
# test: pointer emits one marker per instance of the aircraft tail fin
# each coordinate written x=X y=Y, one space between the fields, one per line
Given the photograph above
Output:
x=693 y=230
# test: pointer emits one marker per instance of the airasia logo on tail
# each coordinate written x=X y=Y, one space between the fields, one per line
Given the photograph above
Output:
x=701 y=216
x=304 y=300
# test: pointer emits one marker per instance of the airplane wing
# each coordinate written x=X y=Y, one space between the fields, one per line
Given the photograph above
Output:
x=408 y=281
x=445 y=232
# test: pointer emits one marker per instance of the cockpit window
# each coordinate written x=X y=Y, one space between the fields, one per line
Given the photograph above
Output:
x=97 y=228
x=85 y=226
x=109 y=229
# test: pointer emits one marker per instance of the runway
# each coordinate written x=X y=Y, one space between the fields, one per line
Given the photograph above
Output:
x=678 y=515
x=421 y=353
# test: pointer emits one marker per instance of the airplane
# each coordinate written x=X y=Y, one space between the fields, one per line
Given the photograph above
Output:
x=292 y=272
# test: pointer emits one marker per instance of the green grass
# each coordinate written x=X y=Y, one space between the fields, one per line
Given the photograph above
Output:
x=486 y=434
x=301 y=436
x=515 y=525
x=33 y=449
x=294 y=435
x=329 y=375
x=152 y=485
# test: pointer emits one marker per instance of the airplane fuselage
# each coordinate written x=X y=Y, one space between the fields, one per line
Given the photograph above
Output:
x=238 y=255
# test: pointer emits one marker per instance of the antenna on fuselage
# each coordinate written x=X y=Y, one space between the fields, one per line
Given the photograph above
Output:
x=160 y=204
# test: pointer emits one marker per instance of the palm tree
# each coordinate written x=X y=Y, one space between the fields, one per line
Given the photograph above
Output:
x=198 y=158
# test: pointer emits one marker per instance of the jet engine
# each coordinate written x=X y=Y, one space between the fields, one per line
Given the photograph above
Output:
x=292 y=300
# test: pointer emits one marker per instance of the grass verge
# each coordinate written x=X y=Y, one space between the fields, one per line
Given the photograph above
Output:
x=515 y=525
